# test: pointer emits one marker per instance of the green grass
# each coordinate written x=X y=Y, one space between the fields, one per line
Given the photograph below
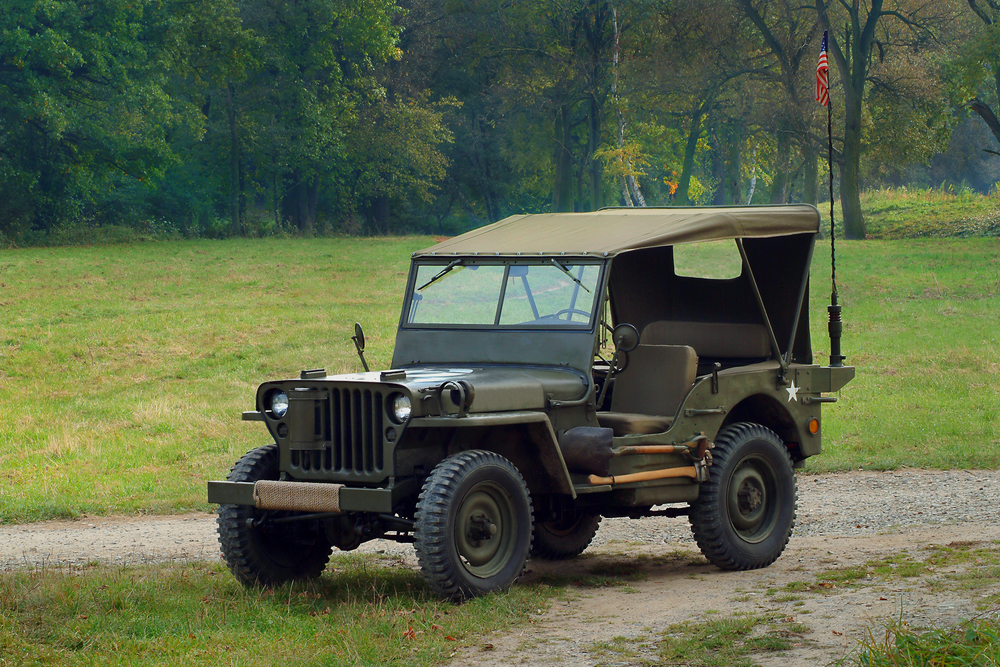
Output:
x=730 y=641
x=370 y=613
x=124 y=368
x=975 y=642
x=922 y=327
x=902 y=213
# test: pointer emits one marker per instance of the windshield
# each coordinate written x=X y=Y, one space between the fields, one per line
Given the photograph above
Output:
x=549 y=293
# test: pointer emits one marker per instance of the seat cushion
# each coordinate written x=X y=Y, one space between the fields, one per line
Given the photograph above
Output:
x=626 y=423
x=656 y=380
x=712 y=339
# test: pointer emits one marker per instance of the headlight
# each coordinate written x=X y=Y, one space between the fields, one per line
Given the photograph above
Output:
x=401 y=408
x=279 y=404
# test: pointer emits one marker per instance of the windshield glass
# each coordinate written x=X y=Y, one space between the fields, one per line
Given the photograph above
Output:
x=549 y=294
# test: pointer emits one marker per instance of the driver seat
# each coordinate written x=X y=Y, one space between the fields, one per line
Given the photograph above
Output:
x=647 y=394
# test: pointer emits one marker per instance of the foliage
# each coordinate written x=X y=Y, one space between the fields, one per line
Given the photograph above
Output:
x=85 y=106
x=258 y=117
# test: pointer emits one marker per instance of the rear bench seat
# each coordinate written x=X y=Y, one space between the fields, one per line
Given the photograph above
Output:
x=739 y=343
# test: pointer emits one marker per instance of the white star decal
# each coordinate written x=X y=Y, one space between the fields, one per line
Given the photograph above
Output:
x=792 y=392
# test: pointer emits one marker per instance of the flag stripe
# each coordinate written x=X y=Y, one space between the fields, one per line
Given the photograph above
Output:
x=823 y=75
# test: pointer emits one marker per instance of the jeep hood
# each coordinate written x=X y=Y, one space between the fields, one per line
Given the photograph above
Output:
x=497 y=389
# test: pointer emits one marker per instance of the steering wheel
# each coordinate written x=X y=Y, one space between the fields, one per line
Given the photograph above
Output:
x=571 y=312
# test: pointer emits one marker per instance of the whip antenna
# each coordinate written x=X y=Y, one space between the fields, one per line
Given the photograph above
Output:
x=836 y=326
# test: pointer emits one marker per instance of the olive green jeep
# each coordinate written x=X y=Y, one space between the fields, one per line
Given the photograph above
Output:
x=550 y=370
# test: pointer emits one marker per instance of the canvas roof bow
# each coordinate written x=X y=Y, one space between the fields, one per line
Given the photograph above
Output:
x=613 y=231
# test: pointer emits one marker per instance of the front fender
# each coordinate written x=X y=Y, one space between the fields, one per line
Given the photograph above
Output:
x=526 y=438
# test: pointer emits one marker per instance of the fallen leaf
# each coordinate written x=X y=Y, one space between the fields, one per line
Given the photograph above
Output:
x=487 y=647
x=435 y=626
x=410 y=634
x=839 y=634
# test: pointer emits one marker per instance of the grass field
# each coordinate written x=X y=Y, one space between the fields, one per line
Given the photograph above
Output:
x=370 y=612
x=901 y=213
x=125 y=368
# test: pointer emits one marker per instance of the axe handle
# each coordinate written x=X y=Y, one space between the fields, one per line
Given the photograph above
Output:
x=652 y=449
x=645 y=476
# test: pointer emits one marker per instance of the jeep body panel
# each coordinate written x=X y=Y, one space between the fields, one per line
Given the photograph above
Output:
x=551 y=368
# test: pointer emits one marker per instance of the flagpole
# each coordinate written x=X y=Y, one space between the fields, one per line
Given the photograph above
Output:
x=835 y=326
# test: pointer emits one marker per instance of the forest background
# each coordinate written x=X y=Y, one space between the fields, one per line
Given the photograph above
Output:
x=218 y=118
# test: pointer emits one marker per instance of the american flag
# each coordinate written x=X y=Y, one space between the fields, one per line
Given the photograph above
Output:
x=823 y=75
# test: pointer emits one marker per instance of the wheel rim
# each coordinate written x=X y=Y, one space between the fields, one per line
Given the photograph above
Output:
x=485 y=529
x=752 y=499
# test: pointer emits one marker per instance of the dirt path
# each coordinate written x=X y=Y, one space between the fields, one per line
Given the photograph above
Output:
x=844 y=520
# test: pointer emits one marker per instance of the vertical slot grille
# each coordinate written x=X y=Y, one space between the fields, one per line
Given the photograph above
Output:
x=357 y=434
x=351 y=424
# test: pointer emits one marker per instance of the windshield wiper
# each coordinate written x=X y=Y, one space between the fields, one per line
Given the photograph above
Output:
x=572 y=277
x=441 y=274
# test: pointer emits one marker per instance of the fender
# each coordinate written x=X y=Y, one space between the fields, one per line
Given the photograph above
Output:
x=538 y=429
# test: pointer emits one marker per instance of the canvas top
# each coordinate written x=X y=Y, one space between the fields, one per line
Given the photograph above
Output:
x=609 y=232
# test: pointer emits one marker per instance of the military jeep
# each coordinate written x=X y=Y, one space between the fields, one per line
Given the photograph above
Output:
x=550 y=370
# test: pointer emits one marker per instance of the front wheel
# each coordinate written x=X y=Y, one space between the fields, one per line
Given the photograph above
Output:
x=265 y=554
x=473 y=525
x=745 y=512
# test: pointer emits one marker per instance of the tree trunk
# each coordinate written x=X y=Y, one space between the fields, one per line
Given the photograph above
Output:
x=718 y=170
x=380 y=215
x=562 y=191
x=850 y=188
x=779 y=186
x=734 y=165
x=810 y=168
x=234 y=162
x=681 y=196
x=596 y=189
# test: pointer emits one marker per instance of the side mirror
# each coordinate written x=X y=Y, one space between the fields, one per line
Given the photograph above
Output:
x=359 y=343
x=625 y=337
x=359 y=336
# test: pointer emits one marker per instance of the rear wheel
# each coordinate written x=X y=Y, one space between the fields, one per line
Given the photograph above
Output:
x=473 y=525
x=265 y=554
x=746 y=510
x=565 y=537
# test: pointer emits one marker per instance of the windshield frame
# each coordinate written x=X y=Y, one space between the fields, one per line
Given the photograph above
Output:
x=442 y=263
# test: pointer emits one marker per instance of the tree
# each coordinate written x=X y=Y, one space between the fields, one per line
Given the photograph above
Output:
x=789 y=32
x=985 y=52
x=84 y=106
x=685 y=63
x=289 y=121
x=869 y=32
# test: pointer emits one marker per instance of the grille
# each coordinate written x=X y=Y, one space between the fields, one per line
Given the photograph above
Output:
x=351 y=423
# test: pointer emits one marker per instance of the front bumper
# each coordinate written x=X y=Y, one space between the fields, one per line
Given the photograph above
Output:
x=301 y=497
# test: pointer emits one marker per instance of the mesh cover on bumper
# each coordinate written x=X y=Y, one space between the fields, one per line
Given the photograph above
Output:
x=297 y=496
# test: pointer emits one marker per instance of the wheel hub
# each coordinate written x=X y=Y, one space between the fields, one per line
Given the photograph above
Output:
x=480 y=528
x=483 y=530
x=749 y=498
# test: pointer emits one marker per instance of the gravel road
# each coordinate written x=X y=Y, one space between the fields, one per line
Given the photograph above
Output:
x=845 y=504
